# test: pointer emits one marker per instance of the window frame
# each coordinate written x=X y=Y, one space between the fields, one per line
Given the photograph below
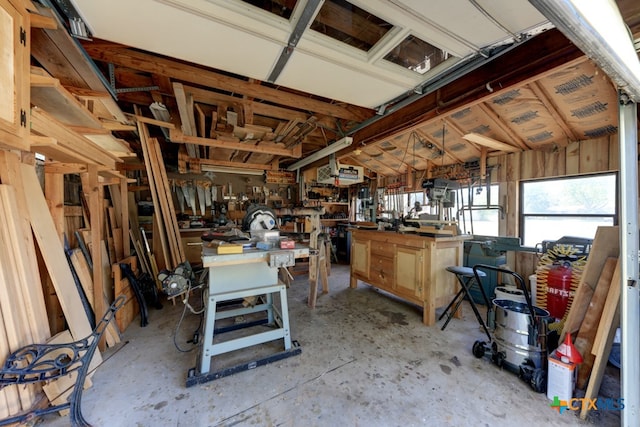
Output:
x=522 y=215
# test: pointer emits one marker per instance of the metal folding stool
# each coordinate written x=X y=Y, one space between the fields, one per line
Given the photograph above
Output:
x=466 y=278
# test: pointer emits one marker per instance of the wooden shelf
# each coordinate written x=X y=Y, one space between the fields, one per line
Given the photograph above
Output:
x=48 y=94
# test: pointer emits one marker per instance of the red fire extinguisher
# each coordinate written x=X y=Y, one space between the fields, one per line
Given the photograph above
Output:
x=559 y=287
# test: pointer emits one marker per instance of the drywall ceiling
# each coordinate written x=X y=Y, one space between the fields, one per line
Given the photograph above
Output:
x=237 y=37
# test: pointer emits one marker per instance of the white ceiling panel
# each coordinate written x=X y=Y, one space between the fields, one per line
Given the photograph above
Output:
x=234 y=36
x=315 y=75
x=156 y=27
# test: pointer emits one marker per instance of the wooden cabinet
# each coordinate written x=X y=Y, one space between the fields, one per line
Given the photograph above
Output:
x=409 y=266
x=14 y=75
x=360 y=256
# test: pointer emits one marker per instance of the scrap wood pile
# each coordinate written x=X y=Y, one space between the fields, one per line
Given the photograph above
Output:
x=22 y=302
x=594 y=315
x=48 y=287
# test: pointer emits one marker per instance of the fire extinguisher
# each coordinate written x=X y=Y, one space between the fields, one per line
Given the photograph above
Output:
x=559 y=286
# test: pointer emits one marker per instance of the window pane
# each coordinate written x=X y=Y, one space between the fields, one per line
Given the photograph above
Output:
x=484 y=222
x=585 y=196
x=417 y=55
x=349 y=24
x=539 y=228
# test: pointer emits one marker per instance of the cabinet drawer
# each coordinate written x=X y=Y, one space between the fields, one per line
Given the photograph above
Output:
x=382 y=248
x=382 y=272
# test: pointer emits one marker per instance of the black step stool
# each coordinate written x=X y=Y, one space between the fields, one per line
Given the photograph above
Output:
x=467 y=278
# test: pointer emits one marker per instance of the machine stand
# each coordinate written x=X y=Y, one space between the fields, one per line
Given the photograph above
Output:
x=193 y=377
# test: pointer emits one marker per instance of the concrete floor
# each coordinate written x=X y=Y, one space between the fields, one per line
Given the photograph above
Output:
x=367 y=360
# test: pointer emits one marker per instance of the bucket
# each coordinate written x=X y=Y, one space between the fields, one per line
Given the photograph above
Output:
x=511 y=293
x=521 y=340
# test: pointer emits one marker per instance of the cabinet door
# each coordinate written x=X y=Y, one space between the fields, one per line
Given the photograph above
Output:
x=360 y=257
x=14 y=80
x=409 y=272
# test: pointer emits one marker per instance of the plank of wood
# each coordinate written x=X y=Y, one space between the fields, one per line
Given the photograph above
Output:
x=95 y=193
x=44 y=124
x=53 y=254
x=169 y=212
x=84 y=273
x=53 y=150
x=14 y=316
x=606 y=243
x=60 y=389
x=9 y=398
x=35 y=303
x=185 y=108
x=121 y=285
x=48 y=94
x=609 y=322
x=161 y=236
x=264 y=147
x=588 y=328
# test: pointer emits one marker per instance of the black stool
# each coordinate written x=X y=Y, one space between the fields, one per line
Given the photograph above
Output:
x=467 y=278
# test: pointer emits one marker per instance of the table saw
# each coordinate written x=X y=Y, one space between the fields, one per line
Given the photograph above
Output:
x=248 y=276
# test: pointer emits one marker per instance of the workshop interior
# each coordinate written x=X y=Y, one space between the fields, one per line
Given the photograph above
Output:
x=319 y=212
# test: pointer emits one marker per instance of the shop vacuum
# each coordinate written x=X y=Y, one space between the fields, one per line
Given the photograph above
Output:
x=521 y=338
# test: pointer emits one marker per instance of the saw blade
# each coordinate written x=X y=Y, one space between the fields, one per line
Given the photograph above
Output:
x=180 y=198
x=201 y=196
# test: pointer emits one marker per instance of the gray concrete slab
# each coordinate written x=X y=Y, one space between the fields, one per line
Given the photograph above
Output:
x=367 y=360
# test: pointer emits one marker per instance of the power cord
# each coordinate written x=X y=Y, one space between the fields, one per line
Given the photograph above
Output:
x=196 y=333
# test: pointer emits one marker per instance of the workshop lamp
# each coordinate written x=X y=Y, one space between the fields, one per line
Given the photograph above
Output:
x=321 y=154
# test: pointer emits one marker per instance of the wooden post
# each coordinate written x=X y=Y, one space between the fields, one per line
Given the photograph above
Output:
x=96 y=211
x=54 y=193
x=124 y=211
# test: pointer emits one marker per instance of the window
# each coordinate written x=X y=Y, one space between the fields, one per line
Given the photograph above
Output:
x=477 y=210
x=403 y=204
x=349 y=24
x=417 y=55
x=553 y=208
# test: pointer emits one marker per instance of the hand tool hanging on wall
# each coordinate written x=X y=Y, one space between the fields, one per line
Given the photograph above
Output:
x=201 y=196
x=185 y=191
x=180 y=197
x=192 y=199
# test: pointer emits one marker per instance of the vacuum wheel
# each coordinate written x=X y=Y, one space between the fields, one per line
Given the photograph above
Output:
x=478 y=349
x=539 y=380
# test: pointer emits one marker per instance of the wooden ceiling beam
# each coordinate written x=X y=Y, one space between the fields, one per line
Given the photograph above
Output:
x=262 y=148
x=227 y=164
x=540 y=92
x=514 y=68
x=192 y=74
x=494 y=144
x=213 y=98
x=513 y=136
x=438 y=145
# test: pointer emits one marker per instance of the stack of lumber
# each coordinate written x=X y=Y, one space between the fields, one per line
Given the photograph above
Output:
x=70 y=124
x=594 y=314
x=21 y=301
x=168 y=232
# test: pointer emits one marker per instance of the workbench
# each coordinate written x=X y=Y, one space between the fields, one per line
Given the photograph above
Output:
x=410 y=266
x=252 y=277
